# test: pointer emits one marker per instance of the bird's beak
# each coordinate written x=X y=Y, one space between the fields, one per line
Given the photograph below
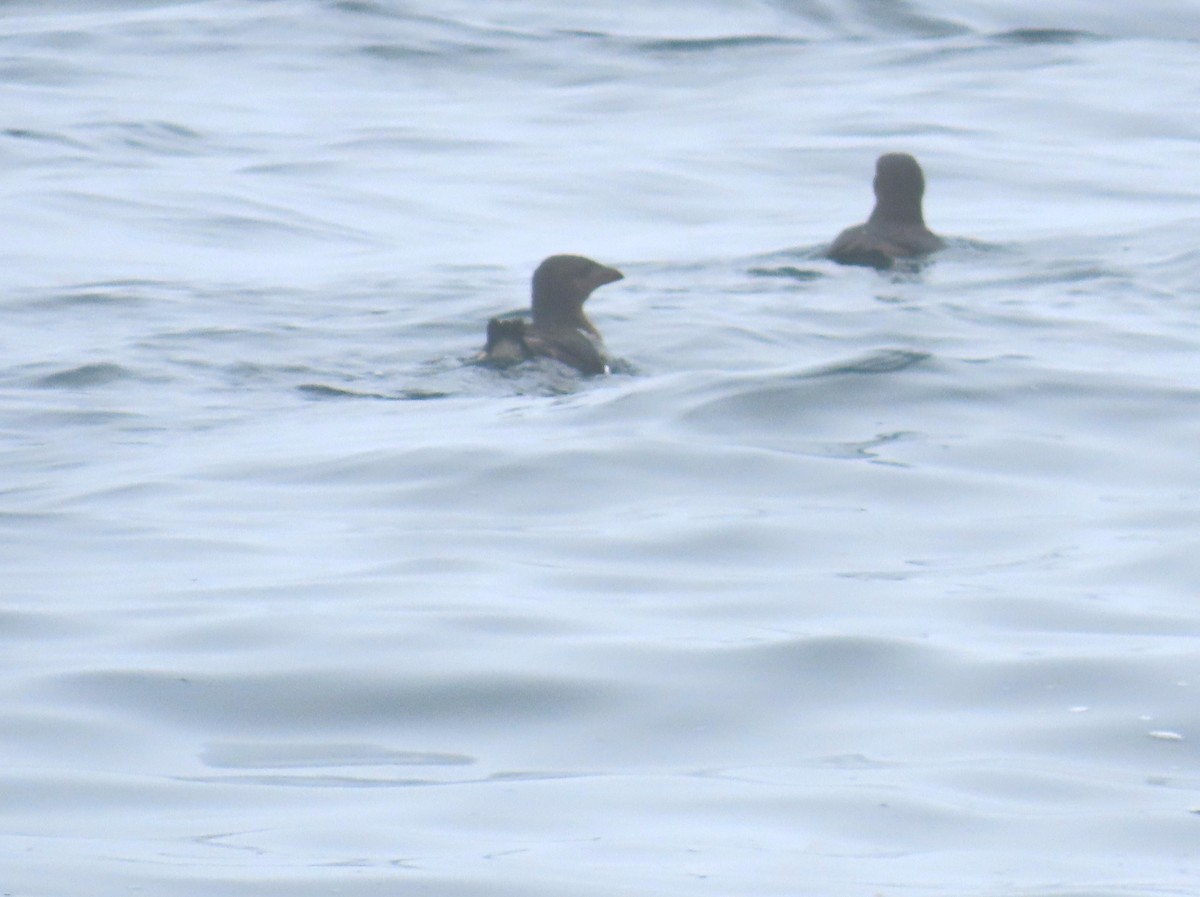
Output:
x=603 y=275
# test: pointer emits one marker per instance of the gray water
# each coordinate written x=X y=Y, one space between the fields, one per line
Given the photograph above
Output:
x=847 y=583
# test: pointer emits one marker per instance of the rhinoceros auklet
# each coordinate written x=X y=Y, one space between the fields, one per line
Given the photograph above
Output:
x=896 y=228
x=559 y=328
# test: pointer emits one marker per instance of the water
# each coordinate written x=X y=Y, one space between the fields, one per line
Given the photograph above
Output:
x=849 y=584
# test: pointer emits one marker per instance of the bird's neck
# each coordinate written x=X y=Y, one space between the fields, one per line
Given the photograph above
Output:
x=548 y=313
x=898 y=210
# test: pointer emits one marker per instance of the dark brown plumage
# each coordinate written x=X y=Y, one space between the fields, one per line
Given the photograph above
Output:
x=559 y=328
x=896 y=228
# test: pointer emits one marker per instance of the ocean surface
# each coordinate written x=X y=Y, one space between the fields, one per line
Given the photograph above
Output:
x=845 y=584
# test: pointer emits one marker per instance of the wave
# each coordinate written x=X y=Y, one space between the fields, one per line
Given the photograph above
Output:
x=85 y=376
